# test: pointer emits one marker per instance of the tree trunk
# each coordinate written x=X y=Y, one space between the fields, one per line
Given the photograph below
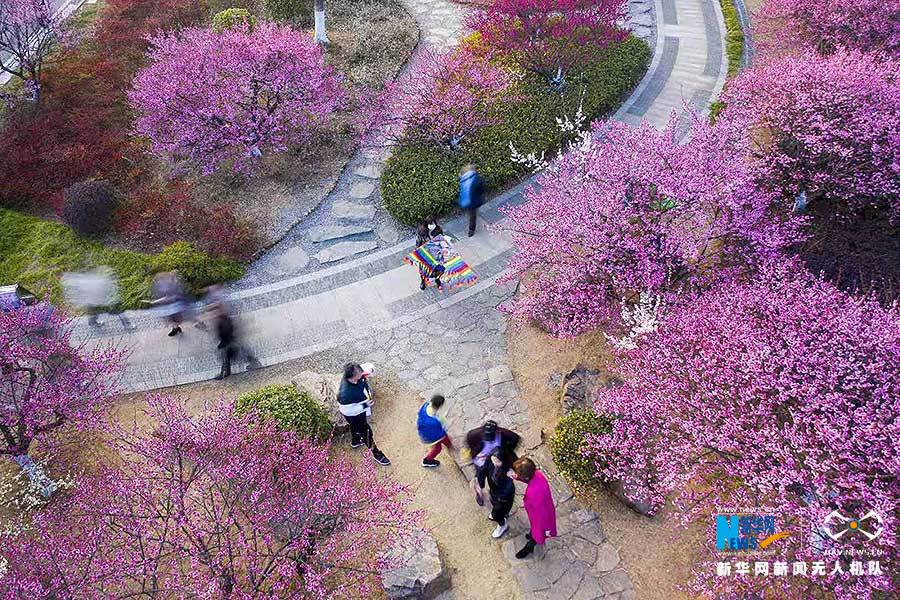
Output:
x=321 y=36
x=36 y=475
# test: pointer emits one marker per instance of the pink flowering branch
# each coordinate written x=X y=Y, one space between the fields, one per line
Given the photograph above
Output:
x=780 y=392
x=214 y=506
x=28 y=31
x=635 y=211
x=211 y=98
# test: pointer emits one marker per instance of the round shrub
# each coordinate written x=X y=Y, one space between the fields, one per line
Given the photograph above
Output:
x=232 y=17
x=197 y=269
x=568 y=443
x=290 y=11
x=291 y=409
x=88 y=207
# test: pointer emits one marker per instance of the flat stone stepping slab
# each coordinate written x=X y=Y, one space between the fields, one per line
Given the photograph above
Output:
x=293 y=259
x=342 y=250
x=351 y=210
x=361 y=190
x=324 y=233
x=370 y=171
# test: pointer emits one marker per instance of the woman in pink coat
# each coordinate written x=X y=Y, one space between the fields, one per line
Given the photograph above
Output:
x=538 y=505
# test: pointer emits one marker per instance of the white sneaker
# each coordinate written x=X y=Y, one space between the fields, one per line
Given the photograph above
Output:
x=500 y=530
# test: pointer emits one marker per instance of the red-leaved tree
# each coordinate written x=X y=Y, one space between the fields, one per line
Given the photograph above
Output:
x=216 y=506
x=210 y=97
x=442 y=100
x=636 y=212
x=790 y=25
x=46 y=382
x=829 y=126
x=778 y=393
x=549 y=37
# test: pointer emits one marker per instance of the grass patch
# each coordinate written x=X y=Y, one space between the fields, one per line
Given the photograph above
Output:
x=34 y=252
x=419 y=180
x=734 y=36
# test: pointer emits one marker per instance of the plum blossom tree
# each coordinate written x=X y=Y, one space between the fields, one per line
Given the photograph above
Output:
x=781 y=393
x=45 y=383
x=632 y=212
x=232 y=96
x=549 y=37
x=220 y=506
x=442 y=100
x=28 y=30
x=829 y=126
x=791 y=25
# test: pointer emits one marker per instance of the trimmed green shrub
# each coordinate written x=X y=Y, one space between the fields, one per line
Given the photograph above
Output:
x=197 y=269
x=418 y=181
x=734 y=36
x=88 y=207
x=231 y=17
x=290 y=11
x=291 y=409
x=568 y=441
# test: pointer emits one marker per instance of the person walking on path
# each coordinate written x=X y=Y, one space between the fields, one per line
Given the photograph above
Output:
x=501 y=488
x=436 y=259
x=355 y=403
x=95 y=291
x=482 y=441
x=168 y=294
x=471 y=194
x=433 y=430
x=229 y=342
x=538 y=505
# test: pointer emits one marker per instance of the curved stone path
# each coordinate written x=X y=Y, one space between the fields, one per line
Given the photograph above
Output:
x=371 y=307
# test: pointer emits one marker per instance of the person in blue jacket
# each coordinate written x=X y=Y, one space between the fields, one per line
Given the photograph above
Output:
x=471 y=194
x=433 y=430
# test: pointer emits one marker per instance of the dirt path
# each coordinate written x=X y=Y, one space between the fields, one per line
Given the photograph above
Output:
x=476 y=565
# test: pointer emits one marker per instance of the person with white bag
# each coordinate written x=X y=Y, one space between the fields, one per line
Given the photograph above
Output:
x=355 y=403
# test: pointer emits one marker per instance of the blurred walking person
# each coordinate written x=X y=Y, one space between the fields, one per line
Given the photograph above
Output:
x=172 y=301
x=538 y=505
x=230 y=345
x=433 y=430
x=471 y=194
x=96 y=292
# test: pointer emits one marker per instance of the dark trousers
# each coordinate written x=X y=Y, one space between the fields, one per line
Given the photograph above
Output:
x=231 y=352
x=500 y=510
x=360 y=431
x=473 y=218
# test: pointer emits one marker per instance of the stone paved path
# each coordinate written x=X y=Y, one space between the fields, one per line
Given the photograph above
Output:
x=371 y=306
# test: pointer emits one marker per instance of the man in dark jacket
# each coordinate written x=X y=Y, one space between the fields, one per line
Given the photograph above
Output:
x=354 y=402
x=481 y=441
x=229 y=344
x=471 y=194
x=501 y=488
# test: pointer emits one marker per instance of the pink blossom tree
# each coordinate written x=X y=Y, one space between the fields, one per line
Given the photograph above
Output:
x=549 y=37
x=790 y=25
x=232 y=96
x=221 y=506
x=28 y=30
x=45 y=383
x=827 y=125
x=442 y=100
x=781 y=393
x=635 y=212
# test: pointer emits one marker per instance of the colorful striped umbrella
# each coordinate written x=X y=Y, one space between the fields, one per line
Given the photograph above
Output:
x=437 y=257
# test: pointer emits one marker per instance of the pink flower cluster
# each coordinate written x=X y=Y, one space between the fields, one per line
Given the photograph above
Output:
x=779 y=392
x=549 y=37
x=638 y=212
x=443 y=99
x=214 y=506
x=828 y=125
x=210 y=97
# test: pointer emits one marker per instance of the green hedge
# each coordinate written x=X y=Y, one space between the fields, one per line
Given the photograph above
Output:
x=291 y=409
x=418 y=181
x=232 y=17
x=734 y=36
x=34 y=253
x=568 y=440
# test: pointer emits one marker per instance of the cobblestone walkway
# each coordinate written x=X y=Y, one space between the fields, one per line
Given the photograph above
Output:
x=371 y=305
